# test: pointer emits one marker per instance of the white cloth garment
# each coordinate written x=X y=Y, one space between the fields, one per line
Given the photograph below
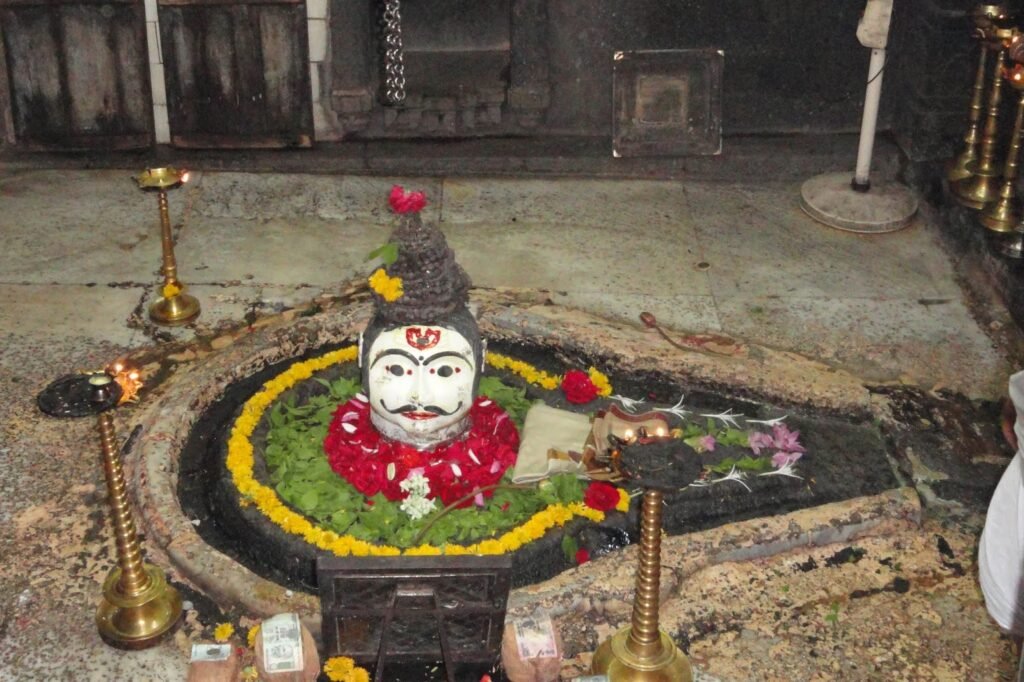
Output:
x=548 y=428
x=1001 y=550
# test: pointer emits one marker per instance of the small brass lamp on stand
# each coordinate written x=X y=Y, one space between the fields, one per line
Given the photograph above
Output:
x=983 y=15
x=982 y=186
x=138 y=607
x=642 y=652
x=174 y=307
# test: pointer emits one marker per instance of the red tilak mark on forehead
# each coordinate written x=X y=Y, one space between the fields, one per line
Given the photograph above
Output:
x=422 y=339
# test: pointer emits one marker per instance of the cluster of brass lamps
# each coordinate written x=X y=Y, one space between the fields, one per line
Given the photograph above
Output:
x=976 y=179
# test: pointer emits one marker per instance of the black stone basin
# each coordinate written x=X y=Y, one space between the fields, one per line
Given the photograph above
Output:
x=845 y=458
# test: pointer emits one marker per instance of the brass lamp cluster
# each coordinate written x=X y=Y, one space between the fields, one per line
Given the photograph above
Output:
x=975 y=178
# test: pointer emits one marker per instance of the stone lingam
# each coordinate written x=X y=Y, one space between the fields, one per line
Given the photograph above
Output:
x=420 y=425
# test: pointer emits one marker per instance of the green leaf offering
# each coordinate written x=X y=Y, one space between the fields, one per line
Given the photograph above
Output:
x=388 y=253
x=745 y=463
x=511 y=399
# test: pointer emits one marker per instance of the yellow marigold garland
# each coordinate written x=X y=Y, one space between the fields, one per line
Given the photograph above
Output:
x=623 y=504
x=525 y=370
x=604 y=387
x=240 y=464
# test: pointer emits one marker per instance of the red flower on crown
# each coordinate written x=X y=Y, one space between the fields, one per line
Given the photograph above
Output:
x=406 y=202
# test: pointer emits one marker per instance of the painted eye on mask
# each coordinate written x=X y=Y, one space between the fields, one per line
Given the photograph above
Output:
x=397 y=370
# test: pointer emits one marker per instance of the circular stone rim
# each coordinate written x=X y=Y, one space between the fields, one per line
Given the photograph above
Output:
x=173 y=407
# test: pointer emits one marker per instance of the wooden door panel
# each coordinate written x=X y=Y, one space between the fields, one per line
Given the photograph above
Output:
x=77 y=75
x=237 y=74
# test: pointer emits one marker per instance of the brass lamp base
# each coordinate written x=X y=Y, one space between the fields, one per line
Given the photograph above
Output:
x=1001 y=216
x=138 y=621
x=615 y=660
x=959 y=168
x=977 y=191
x=174 y=311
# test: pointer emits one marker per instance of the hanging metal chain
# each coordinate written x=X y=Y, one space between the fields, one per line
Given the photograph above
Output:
x=394 y=68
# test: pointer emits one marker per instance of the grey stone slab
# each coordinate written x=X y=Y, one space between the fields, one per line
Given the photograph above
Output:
x=78 y=227
x=758 y=242
x=220 y=306
x=622 y=204
x=580 y=258
x=255 y=196
x=274 y=299
x=279 y=252
x=51 y=652
x=877 y=340
x=61 y=311
x=681 y=312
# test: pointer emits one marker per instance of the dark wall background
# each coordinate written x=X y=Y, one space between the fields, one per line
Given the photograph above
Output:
x=790 y=65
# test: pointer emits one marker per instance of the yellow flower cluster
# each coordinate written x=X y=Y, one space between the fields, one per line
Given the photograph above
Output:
x=539 y=377
x=604 y=387
x=250 y=637
x=170 y=290
x=223 y=632
x=240 y=464
x=344 y=669
x=525 y=370
x=390 y=288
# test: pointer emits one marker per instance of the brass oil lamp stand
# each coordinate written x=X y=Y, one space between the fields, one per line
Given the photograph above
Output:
x=982 y=187
x=958 y=168
x=1004 y=214
x=174 y=307
x=1012 y=245
x=138 y=608
x=642 y=652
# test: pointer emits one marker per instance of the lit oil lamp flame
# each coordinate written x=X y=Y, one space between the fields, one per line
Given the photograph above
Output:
x=185 y=176
x=128 y=379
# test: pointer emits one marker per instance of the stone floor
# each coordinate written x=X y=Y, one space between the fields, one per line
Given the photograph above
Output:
x=79 y=265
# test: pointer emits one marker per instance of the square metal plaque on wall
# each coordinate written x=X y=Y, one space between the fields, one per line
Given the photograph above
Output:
x=667 y=102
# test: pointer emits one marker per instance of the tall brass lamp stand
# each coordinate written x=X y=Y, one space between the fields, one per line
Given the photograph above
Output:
x=138 y=607
x=174 y=307
x=642 y=652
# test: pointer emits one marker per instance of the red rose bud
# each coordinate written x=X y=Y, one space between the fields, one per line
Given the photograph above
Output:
x=649 y=319
x=582 y=555
x=578 y=387
x=601 y=496
x=406 y=202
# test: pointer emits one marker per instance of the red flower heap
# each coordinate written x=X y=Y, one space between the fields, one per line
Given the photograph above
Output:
x=578 y=387
x=601 y=496
x=373 y=464
x=406 y=202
